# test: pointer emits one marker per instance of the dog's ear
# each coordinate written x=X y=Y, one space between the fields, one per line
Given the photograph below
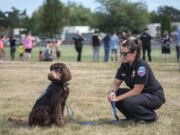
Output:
x=67 y=73
x=52 y=67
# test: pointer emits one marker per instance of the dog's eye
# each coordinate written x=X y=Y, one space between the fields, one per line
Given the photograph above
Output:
x=60 y=70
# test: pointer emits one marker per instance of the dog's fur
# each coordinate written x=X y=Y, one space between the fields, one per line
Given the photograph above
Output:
x=49 y=107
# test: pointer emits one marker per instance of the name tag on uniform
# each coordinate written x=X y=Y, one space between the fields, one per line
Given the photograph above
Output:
x=123 y=74
x=133 y=73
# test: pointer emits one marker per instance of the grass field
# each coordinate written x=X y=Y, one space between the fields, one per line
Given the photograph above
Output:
x=22 y=82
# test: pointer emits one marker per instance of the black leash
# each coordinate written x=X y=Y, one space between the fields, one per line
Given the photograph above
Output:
x=70 y=114
x=113 y=105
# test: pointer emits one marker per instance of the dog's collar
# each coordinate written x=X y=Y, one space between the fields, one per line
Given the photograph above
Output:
x=65 y=85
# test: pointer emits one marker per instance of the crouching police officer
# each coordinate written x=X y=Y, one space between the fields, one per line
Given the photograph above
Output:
x=145 y=93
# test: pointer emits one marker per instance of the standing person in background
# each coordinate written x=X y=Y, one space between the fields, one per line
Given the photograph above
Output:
x=78 y=43
x=178 y=44
x=106 y=41
x=114 y=45
x=28 y=44
x=146 y=44
x=2 y=50
x=21 y=51
x=96 y=46
x=57 y=44
x=166 y=49
x=12 y=42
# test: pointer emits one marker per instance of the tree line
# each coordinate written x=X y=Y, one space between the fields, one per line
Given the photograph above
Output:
x=112 y=15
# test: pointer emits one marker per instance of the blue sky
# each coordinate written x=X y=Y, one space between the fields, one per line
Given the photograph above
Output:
x=31 y=5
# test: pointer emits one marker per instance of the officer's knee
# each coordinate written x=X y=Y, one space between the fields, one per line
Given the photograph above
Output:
x=130 y=104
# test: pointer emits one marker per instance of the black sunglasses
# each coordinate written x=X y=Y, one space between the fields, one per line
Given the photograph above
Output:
x=124 y=53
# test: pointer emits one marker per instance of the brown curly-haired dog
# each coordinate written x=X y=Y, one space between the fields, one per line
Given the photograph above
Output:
x=49 y=107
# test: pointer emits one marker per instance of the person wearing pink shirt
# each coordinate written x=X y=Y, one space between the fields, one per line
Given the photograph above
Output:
x=2 y=51
x=28 y=44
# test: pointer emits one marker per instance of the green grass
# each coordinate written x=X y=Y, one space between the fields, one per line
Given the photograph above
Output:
x=69 y=54
x=21 y=84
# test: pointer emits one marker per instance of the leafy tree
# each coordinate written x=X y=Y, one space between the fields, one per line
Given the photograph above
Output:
x=165 y=24
x=154 y=17
x=24 y=20
x=3 y=21
x=35 y=22
x=52 y=18
x=14 y=19
x=165 y=10
x=51 y=23
x=79 y=15
x=119 y=15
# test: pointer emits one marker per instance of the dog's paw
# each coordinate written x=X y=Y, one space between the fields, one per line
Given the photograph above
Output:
x=60 y=123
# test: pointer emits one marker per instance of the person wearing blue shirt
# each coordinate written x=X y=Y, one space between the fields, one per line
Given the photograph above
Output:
x=48 y=52
x=178 y=44
x=114 y=44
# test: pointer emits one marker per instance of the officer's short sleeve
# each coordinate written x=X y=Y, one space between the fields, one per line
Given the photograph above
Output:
x=141 y=75
x=120 y=72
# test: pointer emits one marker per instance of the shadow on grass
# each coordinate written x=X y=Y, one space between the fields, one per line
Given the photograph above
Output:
x=17 y=122
x=120 y=123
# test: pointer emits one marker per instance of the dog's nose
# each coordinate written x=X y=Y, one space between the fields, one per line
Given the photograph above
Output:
x=52 y=75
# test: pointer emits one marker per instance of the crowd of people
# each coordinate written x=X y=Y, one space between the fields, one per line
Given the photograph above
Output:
x=47 y=53
x=25 y=47
x=111 y=42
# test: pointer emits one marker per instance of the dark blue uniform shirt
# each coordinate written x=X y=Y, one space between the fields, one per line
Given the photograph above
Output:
x=140 y=73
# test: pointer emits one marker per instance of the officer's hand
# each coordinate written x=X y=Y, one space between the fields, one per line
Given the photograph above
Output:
x=114 y=99
x=108 y=97
x=111 y=96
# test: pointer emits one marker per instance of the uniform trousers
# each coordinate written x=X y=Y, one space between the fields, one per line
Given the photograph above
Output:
x=140 y=107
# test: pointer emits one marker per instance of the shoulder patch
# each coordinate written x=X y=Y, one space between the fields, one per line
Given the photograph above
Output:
x=141 y=71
